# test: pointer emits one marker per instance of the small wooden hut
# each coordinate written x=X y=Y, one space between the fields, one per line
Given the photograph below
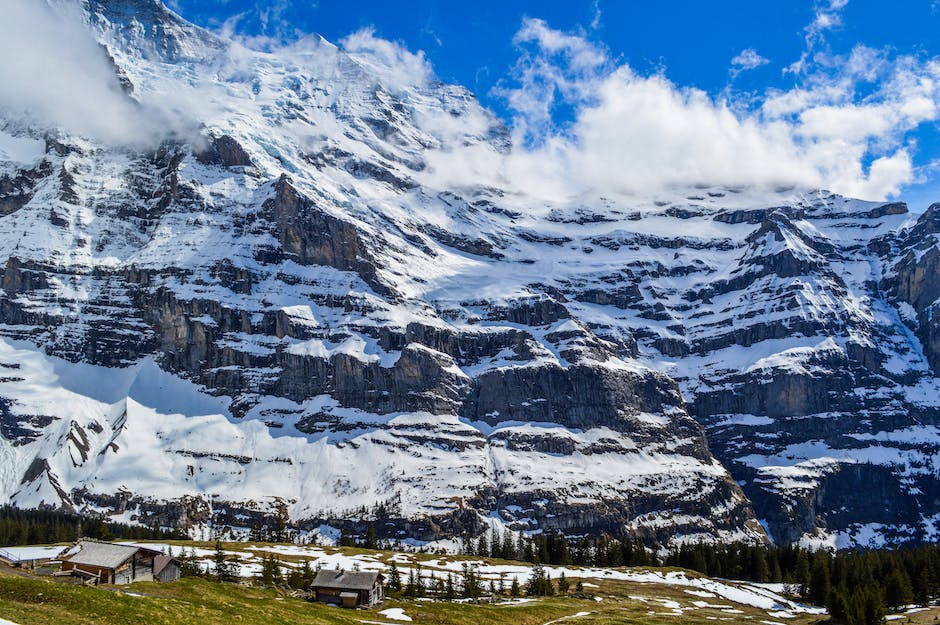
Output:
x=349 y=589
x=109 y=563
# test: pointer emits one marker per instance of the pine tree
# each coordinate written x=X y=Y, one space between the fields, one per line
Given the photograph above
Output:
x=411 y=586
x=281 y=534
x=898 y=591
x=306 y=575
x=514 y=590
x=922 y=586
x=471 y=583
x=226 y=570
x=540 y=583
x=394 y=578
x=189 y=565
x=838 y=607
x=801 y=575
x=371 y=541
x=760 y=571
x=819 y=581
x=270 y=571
x=265 y=577
x=563 y=584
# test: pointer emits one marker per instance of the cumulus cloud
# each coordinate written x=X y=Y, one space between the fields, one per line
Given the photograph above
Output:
x=55 y=71
x=747 y=59
x=827 y=16
x=846 y=126
x=554 y=68
x=398 y=68
x=56 y=74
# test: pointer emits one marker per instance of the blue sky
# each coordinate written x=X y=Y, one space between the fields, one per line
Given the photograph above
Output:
x=741 y=54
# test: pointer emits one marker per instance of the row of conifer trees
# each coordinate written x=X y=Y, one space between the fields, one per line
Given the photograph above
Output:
x=857 y=586
x=36 y=527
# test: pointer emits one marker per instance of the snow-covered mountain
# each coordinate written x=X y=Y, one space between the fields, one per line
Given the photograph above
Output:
x=298 y=299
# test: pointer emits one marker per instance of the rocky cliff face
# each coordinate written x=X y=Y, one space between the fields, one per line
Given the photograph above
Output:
x=294 y=308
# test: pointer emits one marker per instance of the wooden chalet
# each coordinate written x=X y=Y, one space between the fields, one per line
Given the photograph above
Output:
x=108 y=563
x=349 y=589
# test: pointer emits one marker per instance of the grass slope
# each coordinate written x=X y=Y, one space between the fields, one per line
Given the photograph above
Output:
x=29 y=600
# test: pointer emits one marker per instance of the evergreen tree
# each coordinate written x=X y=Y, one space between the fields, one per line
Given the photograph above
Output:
x=514 y=590
x=819 y=581
x=419 y=584
x=471 y=583
x=371 y=540
x=563 y=584
x=874 y=612
x=540 y=583
x=801 y=575
x=898 y=591
x=394 y=578
x=189 y=565
x=838 y=607
x=281 y=533
x=306 y=575
x=922 y=586
x=226 y=570
x=270 y=571
x=760 y=571
x=482 y=546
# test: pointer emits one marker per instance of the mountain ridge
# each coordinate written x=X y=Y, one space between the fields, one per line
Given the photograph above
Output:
x=325 y=297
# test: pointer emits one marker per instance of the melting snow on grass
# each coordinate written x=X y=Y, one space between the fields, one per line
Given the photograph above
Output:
x=396 y=614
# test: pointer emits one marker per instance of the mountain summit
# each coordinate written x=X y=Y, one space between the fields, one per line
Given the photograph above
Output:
x=293 y=293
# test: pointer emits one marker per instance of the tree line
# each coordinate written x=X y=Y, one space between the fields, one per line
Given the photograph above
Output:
x=36 y=527
x=856 y=586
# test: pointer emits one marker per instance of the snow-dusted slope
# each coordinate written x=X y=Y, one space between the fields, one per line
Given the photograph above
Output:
x=295 y=301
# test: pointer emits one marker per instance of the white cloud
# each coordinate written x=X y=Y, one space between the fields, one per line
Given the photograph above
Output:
x=398 y=68
x=596 y=15
x=77 y=90
x=56 y=74
x=827 y=16
x=847 y=125
x=554 y=68
x=747 y=59
x=633 y=133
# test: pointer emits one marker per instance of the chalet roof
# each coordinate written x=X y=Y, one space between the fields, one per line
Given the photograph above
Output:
x=103 y=555
x=345 y=580
x=160 y=562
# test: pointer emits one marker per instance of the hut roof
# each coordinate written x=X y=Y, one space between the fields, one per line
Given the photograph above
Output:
x=160 y=562
x=355 y=580
x=103 y=555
